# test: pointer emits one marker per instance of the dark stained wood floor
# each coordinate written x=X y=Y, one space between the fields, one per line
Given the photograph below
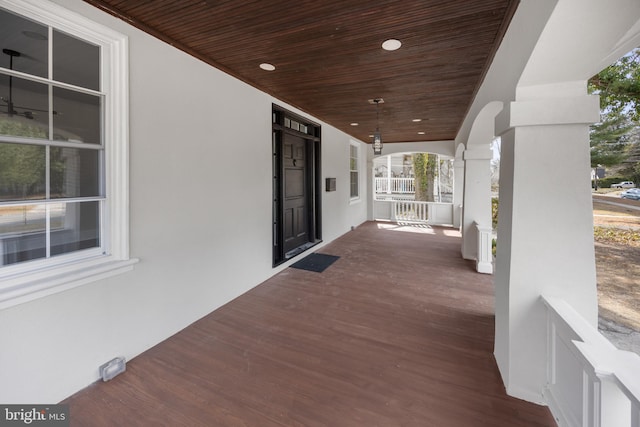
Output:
x=397 y=332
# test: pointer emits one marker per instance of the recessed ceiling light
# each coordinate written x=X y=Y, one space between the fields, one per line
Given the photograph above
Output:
x=416 y=120
x=354 y=124
x=391 y=44
x=267 y=67
x=420 y=133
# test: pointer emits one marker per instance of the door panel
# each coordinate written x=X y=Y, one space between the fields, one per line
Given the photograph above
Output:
x=294 y=183
x=296 y=225
x=288 y=227
x=302 y=225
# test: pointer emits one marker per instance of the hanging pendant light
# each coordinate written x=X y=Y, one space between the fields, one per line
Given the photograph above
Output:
x=377 y=137
x=12 y=54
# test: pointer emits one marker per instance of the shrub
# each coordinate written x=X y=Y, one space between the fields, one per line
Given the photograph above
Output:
x=606 y=182
x=494 y=212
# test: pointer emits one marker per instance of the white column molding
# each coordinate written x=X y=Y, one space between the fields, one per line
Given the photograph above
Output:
x=481 y=153
x=557 y=111
x=484 y=258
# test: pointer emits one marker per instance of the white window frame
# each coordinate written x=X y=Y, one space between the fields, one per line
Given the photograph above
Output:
x=355 y=145
x=30 y=280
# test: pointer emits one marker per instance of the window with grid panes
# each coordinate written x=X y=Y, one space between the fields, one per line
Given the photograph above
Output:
x=60 y=87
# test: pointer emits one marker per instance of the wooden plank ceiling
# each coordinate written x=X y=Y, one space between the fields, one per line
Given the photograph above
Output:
x=328 y=56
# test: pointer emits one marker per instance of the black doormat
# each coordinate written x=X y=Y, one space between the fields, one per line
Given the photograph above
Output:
x=315 y=262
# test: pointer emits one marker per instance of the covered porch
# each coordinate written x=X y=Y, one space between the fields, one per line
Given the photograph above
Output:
x=398 y=331
x=387 y=335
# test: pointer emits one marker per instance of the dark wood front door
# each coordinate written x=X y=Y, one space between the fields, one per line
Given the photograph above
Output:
x=296 y=197
x=296 y=185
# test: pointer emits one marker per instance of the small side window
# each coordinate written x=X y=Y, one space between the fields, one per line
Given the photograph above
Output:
x=354 y=170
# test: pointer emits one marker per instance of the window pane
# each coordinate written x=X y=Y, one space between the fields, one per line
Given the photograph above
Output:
x=74 y=226
x=22 y=172
x=75 y=172
x=24 y=108
x=75 y=61
x=22 y=233
x=354 y=184
x=76 y=116
x=26 y=43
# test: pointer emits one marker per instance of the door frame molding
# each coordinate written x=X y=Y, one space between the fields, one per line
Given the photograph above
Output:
x=286 y=122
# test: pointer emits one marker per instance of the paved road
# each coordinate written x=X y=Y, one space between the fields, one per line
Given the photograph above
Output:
x=622 y=337
x=616 y=200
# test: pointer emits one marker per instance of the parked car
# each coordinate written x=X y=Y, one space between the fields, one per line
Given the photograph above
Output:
x=632 y=193
x=624 y=184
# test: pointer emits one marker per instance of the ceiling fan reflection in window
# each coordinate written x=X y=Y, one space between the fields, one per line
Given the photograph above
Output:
x=12 y=109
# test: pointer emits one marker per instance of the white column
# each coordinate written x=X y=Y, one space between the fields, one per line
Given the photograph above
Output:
x=476 y=206
x=389 y=174
x=438 y=188
x=371 y=187
x=458 y=190
x=545 y=226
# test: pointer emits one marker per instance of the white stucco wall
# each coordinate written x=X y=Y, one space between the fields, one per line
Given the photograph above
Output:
x=200 y=206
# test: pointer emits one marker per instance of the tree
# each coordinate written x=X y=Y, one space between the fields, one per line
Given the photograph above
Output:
x=610 y=139
x=22 y=166
x=425 y=167
x=614 y=141
x=619 y=86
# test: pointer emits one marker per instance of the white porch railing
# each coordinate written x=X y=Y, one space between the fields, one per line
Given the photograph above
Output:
x=590 y=383
x=410 y=211
x=484 y=257
x=395 y=185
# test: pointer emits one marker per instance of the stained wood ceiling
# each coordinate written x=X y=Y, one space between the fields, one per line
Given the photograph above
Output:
x=328 y=56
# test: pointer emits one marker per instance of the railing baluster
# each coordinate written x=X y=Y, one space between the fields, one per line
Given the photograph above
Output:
x=395 y=185
x=411 y=211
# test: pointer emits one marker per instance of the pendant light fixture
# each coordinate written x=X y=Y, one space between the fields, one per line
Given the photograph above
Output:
x=12 y=54
x=377 y=137
x=12 y=109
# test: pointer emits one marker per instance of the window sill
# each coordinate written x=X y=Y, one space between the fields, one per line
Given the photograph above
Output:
x=48 y=281
x=355 y=200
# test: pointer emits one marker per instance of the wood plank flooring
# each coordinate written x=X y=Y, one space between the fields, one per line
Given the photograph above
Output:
x=397 y=332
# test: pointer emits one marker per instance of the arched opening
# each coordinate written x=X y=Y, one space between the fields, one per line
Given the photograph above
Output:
x=414 y=187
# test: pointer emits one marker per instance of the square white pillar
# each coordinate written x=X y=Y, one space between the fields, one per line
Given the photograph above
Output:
x=545 y=231
x=476 y=207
